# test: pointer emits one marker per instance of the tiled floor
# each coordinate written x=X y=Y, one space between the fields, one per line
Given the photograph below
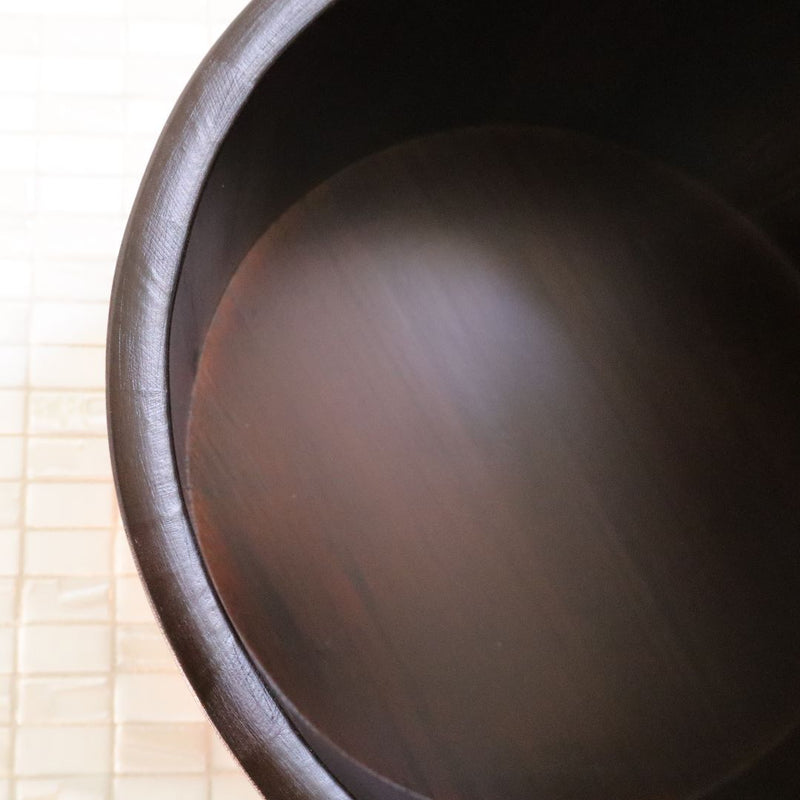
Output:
x=92 y=705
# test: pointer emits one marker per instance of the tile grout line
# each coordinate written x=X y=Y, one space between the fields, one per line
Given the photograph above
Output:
x=23 y=504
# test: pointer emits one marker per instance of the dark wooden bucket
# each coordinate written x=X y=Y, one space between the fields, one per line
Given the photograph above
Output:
x=453 y=376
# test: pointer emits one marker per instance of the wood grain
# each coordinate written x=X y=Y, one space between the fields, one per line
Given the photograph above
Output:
x=493 y=462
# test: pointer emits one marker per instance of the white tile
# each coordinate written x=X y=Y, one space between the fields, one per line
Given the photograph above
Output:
x=155 y=749
x=67 y=367
x=226 y=8
x=69 y=505
x=10 y=503
x=17 y=238
x=81 y=154
x=67 y=280
x=17 y=112
x=138 y=150
x=80 y=195
x=64 y=649
x=18 y=73
x=217 y=25
x=159 y=77
x=13 y=366
x=87 y=788
x=221 y=758
x=62 y=750
x=17 y=192
x=9 y=551
x=71 y=113
x=85 y=35
x=86 y=457
x=14 y=322
x=67 y=552
x=8 y=599
x=20 y=34
x=81 y=8
x=75 y=74
x=146 y=116
x=161 y=788
x=131 y=191
x=143 y=648
x=17 y=277
x=78 y=236
x=66 y=599
x=17 y=152
x=71 y=412
x=124 y=563
x=69 y=323
x=12 y=411
x=234 y=786
x=155 y=698
x=154 y=9
x=5 y=749
x=59 y=700
x=6 y=650
x=131 y=600
x=11 y=456
x=6 y=687
x=159 y=37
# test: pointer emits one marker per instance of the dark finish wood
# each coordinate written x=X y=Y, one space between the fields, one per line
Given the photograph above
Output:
x=493 y=460
x=708 y=87
x=299 y=89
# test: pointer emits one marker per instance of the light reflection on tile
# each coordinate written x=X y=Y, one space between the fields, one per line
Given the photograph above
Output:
x=143 y=648
x=9 y=551
x=12 y=410
x=69 y=505
x=10 y=503
x=66 y=599
x=55 y=649
x=155 y=698
x=67 y=552
x=61 y=750
x=132 y=602
x=86 y=458
x=57 y=700
x=6 y=688
x=152 y=749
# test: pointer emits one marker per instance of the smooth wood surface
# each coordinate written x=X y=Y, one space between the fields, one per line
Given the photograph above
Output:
x=493 y=463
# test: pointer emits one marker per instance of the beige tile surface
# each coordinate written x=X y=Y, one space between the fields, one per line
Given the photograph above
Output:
x=162 y=788
x=92 y=703
x=161 y=749
x=61 y=749
x=66 y=552
x=64 y=649
x=56 y=700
